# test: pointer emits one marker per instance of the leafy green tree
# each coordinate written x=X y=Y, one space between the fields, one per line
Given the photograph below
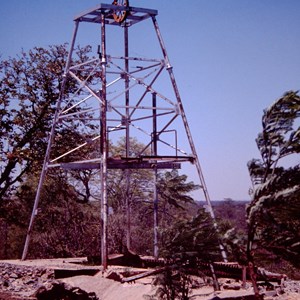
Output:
x=231 y=219
x=175 y=202
x=174 y=190
x=64 y=227
x=195 y=236
x=275 y=215
x=127 y=201
x=273 y=222
x=279 y=138
x=12 y=229
x=173 y=196
x=140 y=180
x=29 y=89
x=173 y=284
x=189 y=243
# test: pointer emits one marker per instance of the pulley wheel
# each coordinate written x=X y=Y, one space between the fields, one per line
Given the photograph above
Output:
x=120 y=15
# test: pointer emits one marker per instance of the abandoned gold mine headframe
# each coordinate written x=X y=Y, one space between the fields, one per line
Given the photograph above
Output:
x=126 y=96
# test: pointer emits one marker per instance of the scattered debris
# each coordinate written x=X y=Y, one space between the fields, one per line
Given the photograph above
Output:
x=23 y=279
x=36 y=280
x=60 y=290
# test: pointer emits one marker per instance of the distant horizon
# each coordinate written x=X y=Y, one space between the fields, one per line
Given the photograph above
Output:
x=224 y=200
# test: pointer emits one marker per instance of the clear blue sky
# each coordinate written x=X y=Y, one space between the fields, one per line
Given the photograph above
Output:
x=231 y=60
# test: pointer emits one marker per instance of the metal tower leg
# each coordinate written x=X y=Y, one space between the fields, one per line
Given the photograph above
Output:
x=104 y=148
x=155 y=217
x=155 y=195
x=187 y=129
x=47 y=155
x=127 y=137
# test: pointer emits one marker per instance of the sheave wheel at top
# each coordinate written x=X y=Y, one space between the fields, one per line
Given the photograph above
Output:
x=120 y=15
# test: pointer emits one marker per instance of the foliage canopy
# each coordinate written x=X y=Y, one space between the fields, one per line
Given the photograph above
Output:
x=273 y=214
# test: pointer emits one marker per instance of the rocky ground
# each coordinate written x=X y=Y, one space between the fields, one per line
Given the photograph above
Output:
x=36 y=280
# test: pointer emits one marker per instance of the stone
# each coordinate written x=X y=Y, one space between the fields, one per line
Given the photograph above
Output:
x=114 y=276
x=232 y=286
x=270 y=294
x=29 y=281
x=13 y=275
x=6 y=283
x=63 y=290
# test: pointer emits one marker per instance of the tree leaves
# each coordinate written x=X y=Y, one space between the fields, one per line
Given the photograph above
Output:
x=196 y=236
x=273 y=214
x=29 y=89
x=279 y=138
x=174 y=190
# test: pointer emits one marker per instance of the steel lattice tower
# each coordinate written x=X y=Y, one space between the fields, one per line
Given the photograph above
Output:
x=125 y=99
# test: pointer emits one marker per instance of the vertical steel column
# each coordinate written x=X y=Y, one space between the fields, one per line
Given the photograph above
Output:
x=155 y=195
x=48 y=150
x=155 y=217
x=154 y=134
x=104 y=147
x=127 y=142
x=187 y=129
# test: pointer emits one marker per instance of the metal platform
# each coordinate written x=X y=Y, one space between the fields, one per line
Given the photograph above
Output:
x=123 y=163
x=135 y=14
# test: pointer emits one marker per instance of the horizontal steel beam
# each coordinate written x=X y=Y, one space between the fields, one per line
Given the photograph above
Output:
x=145 y=165
x=136 y=14
x=121 y=165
